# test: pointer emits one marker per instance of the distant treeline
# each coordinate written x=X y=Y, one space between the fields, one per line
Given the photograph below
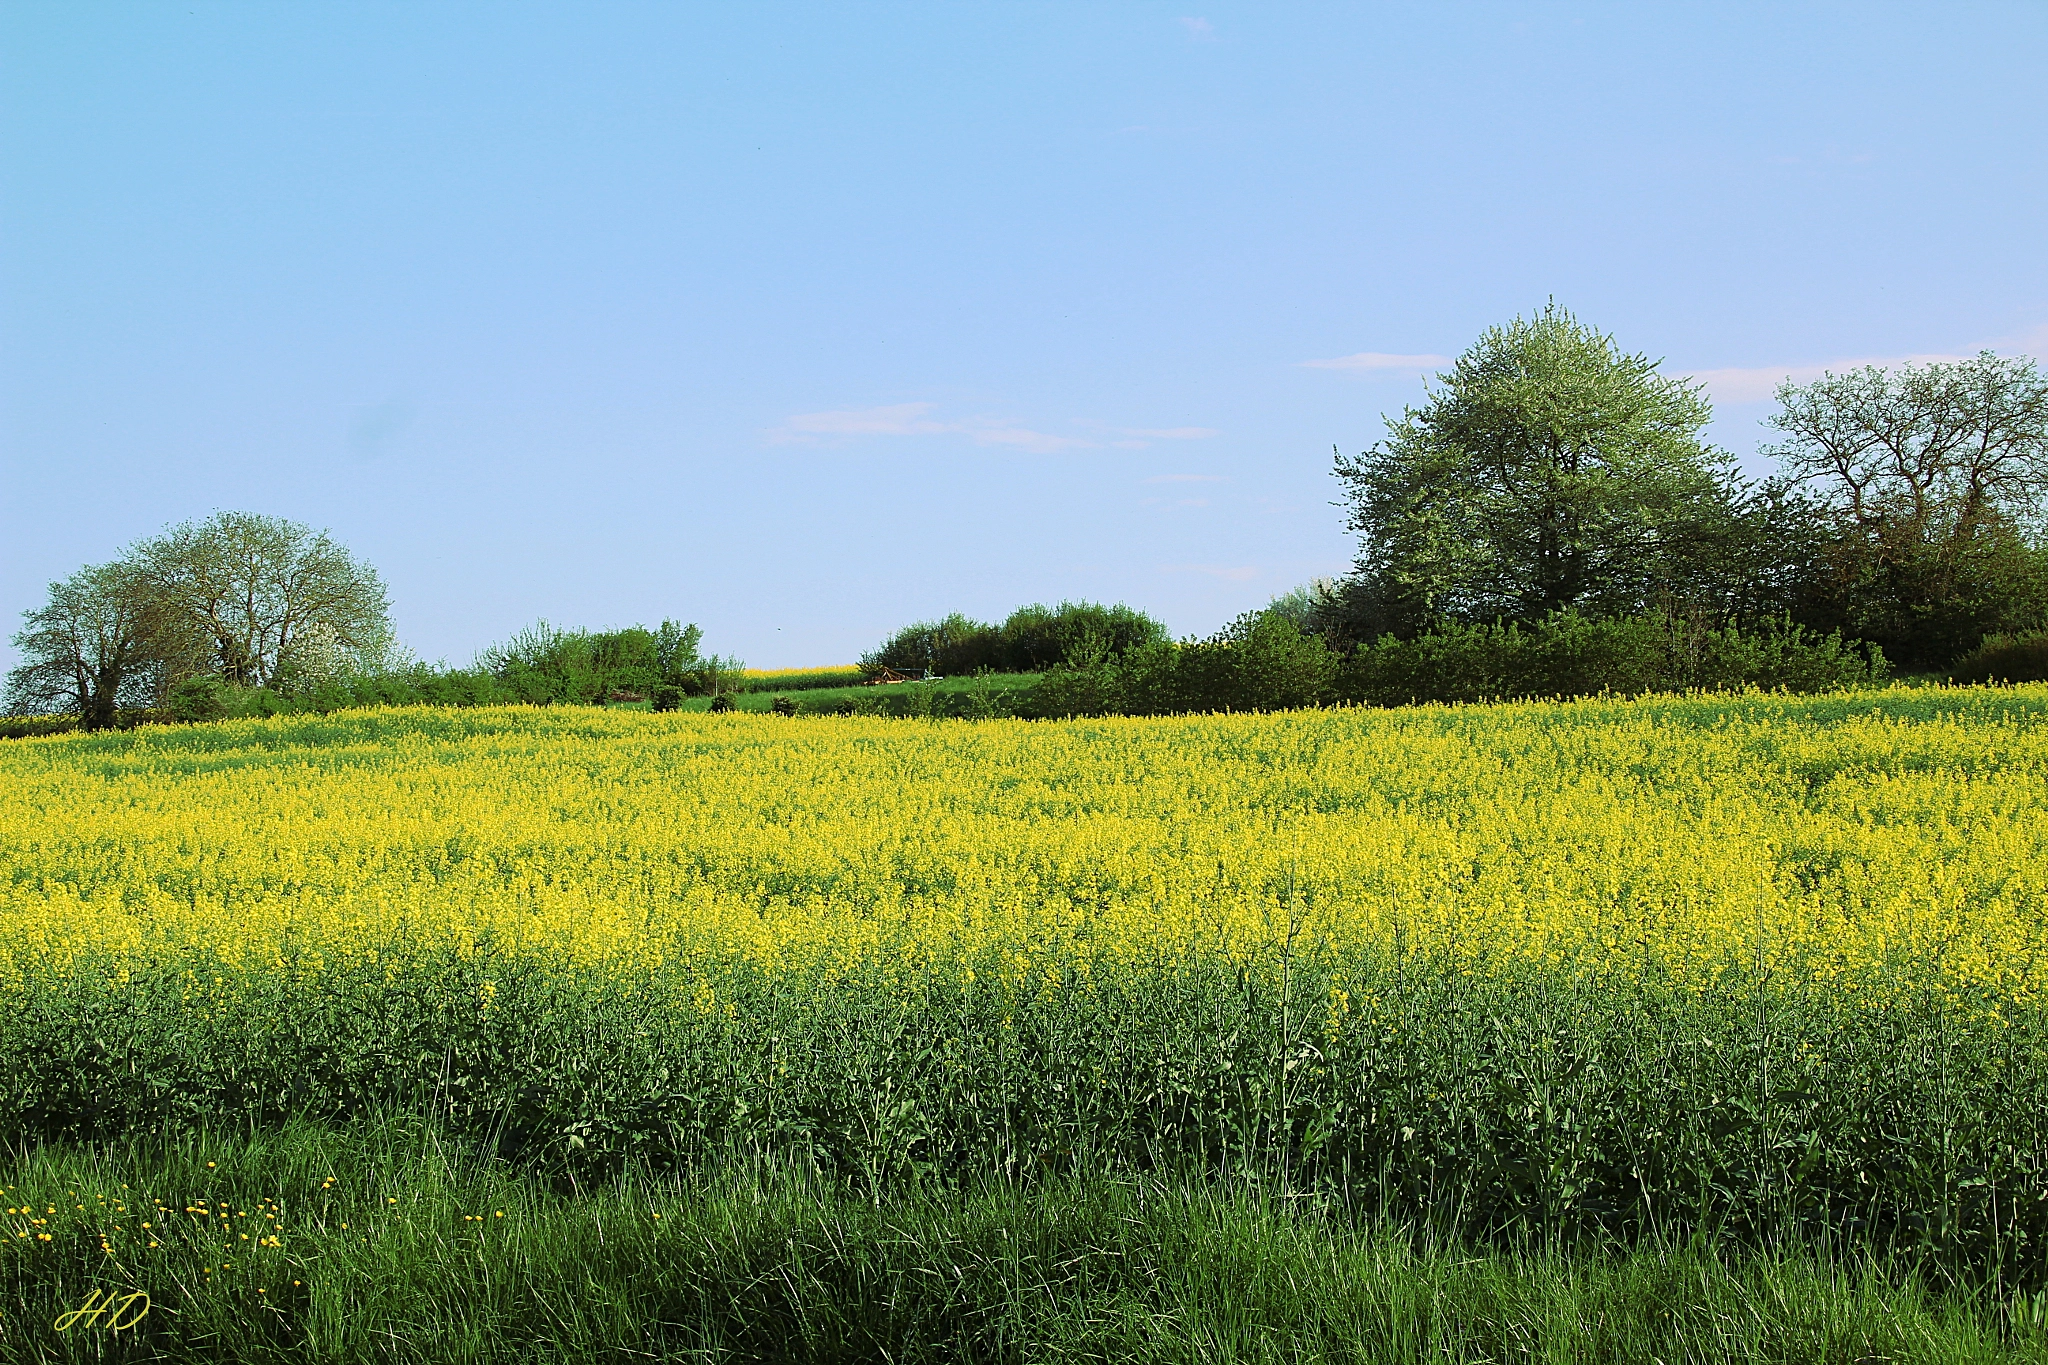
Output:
x=1550 y=522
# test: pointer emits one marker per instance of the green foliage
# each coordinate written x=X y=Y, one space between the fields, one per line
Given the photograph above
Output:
x=101 y=643
x=1548 y=470
x=1929 y=603
x=1568 y=655
x=764 y=1265
x=1037 y=637
x=253 y=592
x=666 y=697
x=1261 y=662
x=943 y=648
x=543 y=664
x=203 y=698
x=2005 y=659
x=1932 y=481
x=1509 y=1107
x=1032 y=639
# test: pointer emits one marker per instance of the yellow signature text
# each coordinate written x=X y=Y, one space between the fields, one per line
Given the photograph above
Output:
x=120 y=1311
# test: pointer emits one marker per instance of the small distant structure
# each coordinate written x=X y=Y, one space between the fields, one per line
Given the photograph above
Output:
x=901 y=675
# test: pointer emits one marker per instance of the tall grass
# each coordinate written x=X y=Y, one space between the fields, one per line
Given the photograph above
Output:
x=392 y=1244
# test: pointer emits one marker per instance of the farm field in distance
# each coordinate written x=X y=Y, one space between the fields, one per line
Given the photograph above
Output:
x=1747 y=985
x=943 y=696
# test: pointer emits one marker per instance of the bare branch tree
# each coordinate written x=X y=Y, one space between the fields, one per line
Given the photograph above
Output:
x=1924 y=452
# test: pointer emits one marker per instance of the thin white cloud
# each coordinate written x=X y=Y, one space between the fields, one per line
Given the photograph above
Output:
x=1757 y=383
x=1754 y=384
x=1200 y=30
x=1020 y=438
x=1379 y=362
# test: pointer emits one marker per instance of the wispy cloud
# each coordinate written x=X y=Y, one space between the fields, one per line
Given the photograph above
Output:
x=1020 y=438
x=918 y=419
x=1755 y=383
x=1199 y=30
x=1379 y=362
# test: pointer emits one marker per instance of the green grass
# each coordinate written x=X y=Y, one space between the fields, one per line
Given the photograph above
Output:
x=392 y=1248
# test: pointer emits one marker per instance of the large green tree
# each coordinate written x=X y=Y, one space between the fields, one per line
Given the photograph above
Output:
x=1549 y=469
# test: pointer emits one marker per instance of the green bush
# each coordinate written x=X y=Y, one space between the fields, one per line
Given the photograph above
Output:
x=957 y=644
x=1039 y=637
x=203 y=698
x=1032 y=639
x=1262 y=662
x=2005 y=659
x=1568 y=655
x=543 y=665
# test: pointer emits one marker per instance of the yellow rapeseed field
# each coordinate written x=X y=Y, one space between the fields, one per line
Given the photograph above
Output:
x=1857 y=840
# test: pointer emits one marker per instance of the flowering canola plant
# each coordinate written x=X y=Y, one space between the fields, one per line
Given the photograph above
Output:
x=1853 y=840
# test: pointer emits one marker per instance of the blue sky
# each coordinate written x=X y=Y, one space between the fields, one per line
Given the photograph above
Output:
x=801 y=322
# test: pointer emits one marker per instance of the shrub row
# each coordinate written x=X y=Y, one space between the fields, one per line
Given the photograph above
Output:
x=1568 y=655
x=1264 y=662
x=1030 y=640
x=2005 y=659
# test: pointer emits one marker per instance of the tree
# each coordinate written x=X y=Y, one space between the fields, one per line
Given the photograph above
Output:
x=100 y=643
x=257 y=588
x=1932 y=479
x=1548 y=470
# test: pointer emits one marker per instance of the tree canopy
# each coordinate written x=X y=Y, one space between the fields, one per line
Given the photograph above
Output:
x=98 y=644
x=244 y=598
x=1930 y=482
x=256 y=588
x=1548 y=470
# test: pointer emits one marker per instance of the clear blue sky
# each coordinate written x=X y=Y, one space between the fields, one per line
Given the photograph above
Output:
x=804 y=321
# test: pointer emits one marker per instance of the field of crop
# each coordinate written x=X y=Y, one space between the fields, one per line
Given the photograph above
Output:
x=799 y=679
x=1764 y=970
x=824 y=694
